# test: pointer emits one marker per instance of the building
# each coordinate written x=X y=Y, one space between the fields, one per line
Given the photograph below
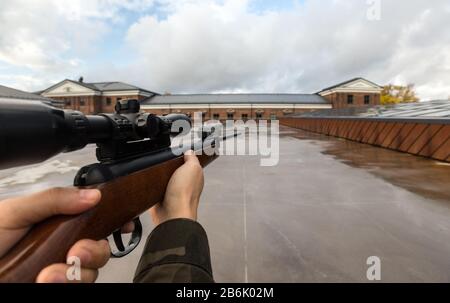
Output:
x=235 y=106
x=101 y=97
x=11 y=93
x=92 y=98
x=352 y=93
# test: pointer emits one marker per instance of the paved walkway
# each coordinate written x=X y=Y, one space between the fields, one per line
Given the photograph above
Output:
x=316 y=217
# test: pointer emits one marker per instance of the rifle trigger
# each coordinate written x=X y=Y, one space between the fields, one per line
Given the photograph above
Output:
x=132 y=244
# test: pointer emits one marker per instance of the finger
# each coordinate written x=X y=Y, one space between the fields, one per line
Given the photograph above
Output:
x=63 y=273
x=24 y=211
x=92 y=254
x=128 y=228
x=191 y=157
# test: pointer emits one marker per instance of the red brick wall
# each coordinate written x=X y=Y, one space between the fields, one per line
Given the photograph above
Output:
x=83 y=104
x=339 y=100
x=223 y=112
x=105 y=104
x=94 y=104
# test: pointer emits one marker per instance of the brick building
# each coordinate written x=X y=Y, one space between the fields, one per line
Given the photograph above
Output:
x=92 y=98
x=235 y=106
x=353 y=93
x=101 y=97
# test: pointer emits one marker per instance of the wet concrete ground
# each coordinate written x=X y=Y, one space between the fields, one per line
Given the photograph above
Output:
x=316 y=217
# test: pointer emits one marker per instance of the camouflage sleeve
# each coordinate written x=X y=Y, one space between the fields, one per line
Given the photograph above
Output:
x=176 y=251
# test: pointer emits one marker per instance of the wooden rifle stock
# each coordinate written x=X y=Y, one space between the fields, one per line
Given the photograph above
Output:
x=123 y=199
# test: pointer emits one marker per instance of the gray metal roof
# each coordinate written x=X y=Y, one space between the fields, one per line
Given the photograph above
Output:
x=113 y=86
x=426 y=109
x=436 y=108
x=11 y=93
x=236 y=99
x=104 y=86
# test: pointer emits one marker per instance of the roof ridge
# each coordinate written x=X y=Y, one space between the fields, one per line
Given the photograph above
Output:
x=219 y=94
x=346 y=82
x=105 y=82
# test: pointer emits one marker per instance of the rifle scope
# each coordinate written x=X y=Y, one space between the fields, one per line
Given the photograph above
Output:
x=32 y=132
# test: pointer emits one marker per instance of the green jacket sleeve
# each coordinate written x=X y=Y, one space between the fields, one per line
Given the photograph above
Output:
x=176 y=251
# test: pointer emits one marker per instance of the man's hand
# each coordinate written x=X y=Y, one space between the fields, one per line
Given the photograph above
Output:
x=183 y=192
x=18 y=215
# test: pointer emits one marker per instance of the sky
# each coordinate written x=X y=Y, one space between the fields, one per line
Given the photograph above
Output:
x=212 y=46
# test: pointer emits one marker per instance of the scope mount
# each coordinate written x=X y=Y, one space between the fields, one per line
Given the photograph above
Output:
x=135 y=133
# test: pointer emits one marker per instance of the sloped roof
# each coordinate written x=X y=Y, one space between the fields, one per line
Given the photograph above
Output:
x=347 y=82
x=236 y=99
x=11 y=93
x=115 y=86
x=103 y=86
x=427 y=110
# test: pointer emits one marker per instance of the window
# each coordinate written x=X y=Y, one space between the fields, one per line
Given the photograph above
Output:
x=367 y=99
x=68 y=102
x=118 y=99
x=349 y=99
x=244 y=117
x=216 y=116
x=203 y=115
x=230 y=116
x=259 y=115
x=108 y=101
x=273 y=116
x=82 y=102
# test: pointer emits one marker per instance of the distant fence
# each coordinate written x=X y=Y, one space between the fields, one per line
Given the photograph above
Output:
x=422 y=137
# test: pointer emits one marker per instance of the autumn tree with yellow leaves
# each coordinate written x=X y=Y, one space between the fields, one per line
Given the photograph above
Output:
x=393 y=94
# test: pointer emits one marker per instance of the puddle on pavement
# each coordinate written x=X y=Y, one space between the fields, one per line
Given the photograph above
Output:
x=426 y=177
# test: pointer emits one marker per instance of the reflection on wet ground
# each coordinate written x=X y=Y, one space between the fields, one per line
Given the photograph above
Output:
x=317 y=216
x=426 y=177
x=57 y=171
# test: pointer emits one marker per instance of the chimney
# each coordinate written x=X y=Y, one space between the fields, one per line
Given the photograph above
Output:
x=81 y=79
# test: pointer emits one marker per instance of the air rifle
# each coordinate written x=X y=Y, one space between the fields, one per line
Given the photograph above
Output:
x=136 y=161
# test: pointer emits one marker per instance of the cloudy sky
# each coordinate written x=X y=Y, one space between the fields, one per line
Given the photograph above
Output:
x=185 y=46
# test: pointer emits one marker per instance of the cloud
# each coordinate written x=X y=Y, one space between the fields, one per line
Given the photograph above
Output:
x=227 y=45
x=100 y=9
x=205 y=46
x=51 y=37
x=44 y=40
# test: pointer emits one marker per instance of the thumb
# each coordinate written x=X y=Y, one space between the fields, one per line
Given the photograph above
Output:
x=17 y=215
x=190 y=156
x=22 y=212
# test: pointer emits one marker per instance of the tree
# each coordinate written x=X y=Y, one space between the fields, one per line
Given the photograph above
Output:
x=393 y=94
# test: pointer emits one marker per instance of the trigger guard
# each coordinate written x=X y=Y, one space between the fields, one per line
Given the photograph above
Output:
x=136 y=236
